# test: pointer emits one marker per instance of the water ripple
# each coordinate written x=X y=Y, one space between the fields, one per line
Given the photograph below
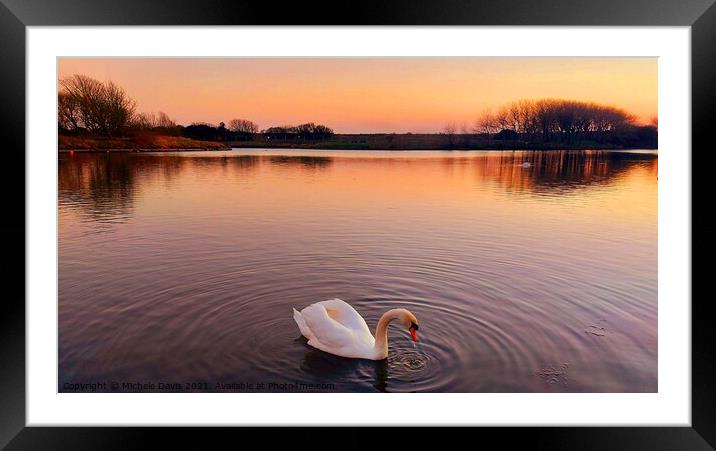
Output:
x=187 y=266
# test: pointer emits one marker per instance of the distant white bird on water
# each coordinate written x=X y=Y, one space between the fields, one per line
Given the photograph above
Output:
x=335 y=327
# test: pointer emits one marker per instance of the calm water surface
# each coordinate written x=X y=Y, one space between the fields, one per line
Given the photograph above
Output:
x=529 y=271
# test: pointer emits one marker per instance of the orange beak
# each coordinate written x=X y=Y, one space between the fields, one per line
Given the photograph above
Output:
x=414 y=334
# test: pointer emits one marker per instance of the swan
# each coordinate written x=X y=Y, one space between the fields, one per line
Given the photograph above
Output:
x=335 y=327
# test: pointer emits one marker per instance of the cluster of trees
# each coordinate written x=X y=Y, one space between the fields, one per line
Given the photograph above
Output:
x=245 y=130
x=308 y=131
x=151 y=121
x=238 y=130
x=555 y=119
x=243 y=126
x=87 y=104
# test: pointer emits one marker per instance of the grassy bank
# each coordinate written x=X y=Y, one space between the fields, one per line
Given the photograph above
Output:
x=137 y=142
x=408 y=141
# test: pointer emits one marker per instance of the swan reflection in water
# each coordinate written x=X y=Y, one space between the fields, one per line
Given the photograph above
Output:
x=323 y=367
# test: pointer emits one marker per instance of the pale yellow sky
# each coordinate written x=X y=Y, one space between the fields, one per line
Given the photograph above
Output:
x=368 y=95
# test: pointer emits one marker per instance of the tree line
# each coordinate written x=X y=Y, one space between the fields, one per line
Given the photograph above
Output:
x=245 y=130
x=561 y=120
x=89 y=106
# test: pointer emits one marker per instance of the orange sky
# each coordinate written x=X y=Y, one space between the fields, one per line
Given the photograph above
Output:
x=368 y=95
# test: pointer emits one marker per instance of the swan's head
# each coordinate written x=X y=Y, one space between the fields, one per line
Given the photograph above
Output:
x=411 y=322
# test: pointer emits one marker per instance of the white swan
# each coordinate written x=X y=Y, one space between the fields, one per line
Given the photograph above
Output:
x=334 y=326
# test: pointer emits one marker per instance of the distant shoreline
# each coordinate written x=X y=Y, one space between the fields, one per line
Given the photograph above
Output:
x=227 y=149
x=357 y=142
x=138 y=150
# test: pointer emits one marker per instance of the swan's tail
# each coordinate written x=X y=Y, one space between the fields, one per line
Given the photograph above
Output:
x=305 y=331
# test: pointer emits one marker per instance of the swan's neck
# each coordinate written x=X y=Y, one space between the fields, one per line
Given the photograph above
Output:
x=381 y=331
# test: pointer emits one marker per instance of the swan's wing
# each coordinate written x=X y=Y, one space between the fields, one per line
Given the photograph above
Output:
x=326 y=330
x=342 y=312
x=305 y=331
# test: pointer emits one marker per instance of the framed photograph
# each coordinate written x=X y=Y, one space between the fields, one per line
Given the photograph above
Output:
x=444 y=214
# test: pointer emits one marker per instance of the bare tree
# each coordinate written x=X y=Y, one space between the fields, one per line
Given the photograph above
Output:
x=68 y=116
x=100 y=107
x=513 y=117
x=116 y=108
x=243 y=126
x=527 y=119
x=82 y=93
x=144 y=121
x=164 y=121
x=449 y=130
x=149 y=121
x=483 y=124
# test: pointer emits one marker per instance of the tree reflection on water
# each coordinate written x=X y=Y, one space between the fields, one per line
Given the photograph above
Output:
x=104 y=185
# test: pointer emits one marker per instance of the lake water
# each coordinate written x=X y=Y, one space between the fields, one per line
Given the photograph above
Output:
x=528 y=271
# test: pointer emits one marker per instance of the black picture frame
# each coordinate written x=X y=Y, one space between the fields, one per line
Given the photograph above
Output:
x=16 y=15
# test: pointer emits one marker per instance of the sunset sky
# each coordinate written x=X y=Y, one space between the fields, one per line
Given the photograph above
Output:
x=368 y=95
